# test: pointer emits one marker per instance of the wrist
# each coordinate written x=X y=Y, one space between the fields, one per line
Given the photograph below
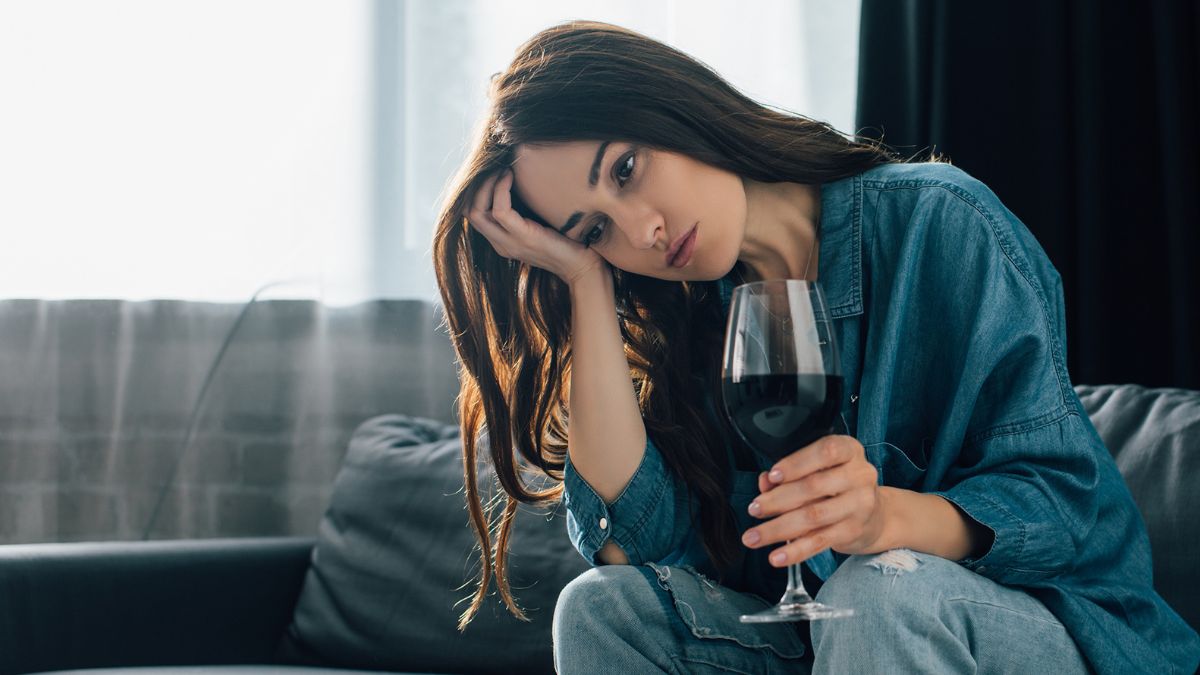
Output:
x=590 y=276
x=894 y=530
x=927 y=523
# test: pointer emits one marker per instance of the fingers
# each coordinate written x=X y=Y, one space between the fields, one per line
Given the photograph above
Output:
x=493 y=201
x=482 y=201
x=801 y=549
x=502 y=196
x=481 y=215
x=791 y=496
x=827 y=452
x=802 y=521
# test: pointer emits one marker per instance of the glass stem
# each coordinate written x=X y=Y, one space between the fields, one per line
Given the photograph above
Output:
x=795 y=593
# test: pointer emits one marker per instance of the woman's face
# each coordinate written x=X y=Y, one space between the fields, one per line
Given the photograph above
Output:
x=630 y=203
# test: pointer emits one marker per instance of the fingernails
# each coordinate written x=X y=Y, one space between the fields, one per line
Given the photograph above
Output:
x=778 y=557
x=750 y=538
x=775 y=476
x=755 y=508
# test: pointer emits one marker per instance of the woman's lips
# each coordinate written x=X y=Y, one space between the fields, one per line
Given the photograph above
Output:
x=684 y=253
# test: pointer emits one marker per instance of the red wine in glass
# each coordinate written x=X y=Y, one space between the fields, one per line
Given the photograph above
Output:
x=779 y=414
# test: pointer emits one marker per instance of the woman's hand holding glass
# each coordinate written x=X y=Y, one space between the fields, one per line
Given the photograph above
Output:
x=825 y=496
x=516 y=237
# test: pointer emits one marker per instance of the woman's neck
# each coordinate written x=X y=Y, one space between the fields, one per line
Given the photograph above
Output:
x=781 y=238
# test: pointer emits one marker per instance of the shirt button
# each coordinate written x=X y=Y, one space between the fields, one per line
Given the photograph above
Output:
x=604 y=523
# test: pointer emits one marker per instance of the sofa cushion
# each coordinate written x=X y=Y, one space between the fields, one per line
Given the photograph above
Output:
x=394 y=560
x=1154 y=435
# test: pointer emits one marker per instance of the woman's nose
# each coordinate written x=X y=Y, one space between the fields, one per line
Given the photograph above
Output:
x=646 y=232
x=654 y=232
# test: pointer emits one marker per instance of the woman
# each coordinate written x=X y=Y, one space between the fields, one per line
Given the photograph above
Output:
x=968 y=511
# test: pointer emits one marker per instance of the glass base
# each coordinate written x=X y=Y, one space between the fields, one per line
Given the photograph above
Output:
x=796 y=611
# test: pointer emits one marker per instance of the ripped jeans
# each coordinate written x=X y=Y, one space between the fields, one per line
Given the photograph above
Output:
x=913 y=613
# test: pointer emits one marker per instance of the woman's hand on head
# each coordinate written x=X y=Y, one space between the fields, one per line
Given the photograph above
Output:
x=516 y=237
x=826 y=495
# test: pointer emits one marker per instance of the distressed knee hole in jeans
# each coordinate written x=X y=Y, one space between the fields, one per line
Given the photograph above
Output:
x=895 y=562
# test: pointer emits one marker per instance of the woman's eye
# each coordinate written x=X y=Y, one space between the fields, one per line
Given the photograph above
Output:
x=594 y=235
x=624 y=172
x=627 y=162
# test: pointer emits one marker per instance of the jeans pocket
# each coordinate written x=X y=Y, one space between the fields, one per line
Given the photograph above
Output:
x=712 y=613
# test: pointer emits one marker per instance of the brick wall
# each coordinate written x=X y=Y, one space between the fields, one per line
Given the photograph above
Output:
x=96 y=396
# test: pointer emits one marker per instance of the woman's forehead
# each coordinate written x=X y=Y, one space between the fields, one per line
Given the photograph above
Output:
x=560 y=155
x=555 y=179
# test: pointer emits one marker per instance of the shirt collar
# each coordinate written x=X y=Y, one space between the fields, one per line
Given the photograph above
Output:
x=839 y=267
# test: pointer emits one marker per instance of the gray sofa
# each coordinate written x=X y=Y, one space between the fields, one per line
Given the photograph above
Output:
x=377 y=579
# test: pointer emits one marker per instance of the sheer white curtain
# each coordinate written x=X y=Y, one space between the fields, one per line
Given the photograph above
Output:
x=200 y=150
x=187 y=150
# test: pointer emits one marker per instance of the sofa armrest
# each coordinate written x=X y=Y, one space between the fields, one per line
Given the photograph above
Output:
x=181 y=602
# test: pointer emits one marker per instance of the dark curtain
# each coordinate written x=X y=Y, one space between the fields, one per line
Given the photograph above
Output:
x=1081 y=116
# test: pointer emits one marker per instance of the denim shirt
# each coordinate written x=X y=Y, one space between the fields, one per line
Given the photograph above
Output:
x=950 y=322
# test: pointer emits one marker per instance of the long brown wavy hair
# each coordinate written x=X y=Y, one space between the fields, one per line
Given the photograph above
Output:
x=510 y=322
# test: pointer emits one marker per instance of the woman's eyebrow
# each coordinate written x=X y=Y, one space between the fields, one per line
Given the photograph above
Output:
x=593 y=177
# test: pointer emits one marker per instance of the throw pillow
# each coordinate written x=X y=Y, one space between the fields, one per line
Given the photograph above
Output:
x=394 y=560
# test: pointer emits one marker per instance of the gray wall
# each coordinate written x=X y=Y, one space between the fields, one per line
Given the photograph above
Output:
x=96 y=395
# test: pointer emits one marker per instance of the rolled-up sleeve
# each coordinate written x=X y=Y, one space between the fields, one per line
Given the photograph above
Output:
x=1037 y=490
x=649 y=519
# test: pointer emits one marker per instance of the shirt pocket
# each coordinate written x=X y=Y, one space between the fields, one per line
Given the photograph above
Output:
x=896 y=467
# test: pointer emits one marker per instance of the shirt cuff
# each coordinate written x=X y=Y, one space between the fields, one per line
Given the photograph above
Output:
x=644 y=520
x=1009 y=537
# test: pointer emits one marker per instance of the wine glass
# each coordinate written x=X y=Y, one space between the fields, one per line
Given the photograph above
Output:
x=781 y=385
